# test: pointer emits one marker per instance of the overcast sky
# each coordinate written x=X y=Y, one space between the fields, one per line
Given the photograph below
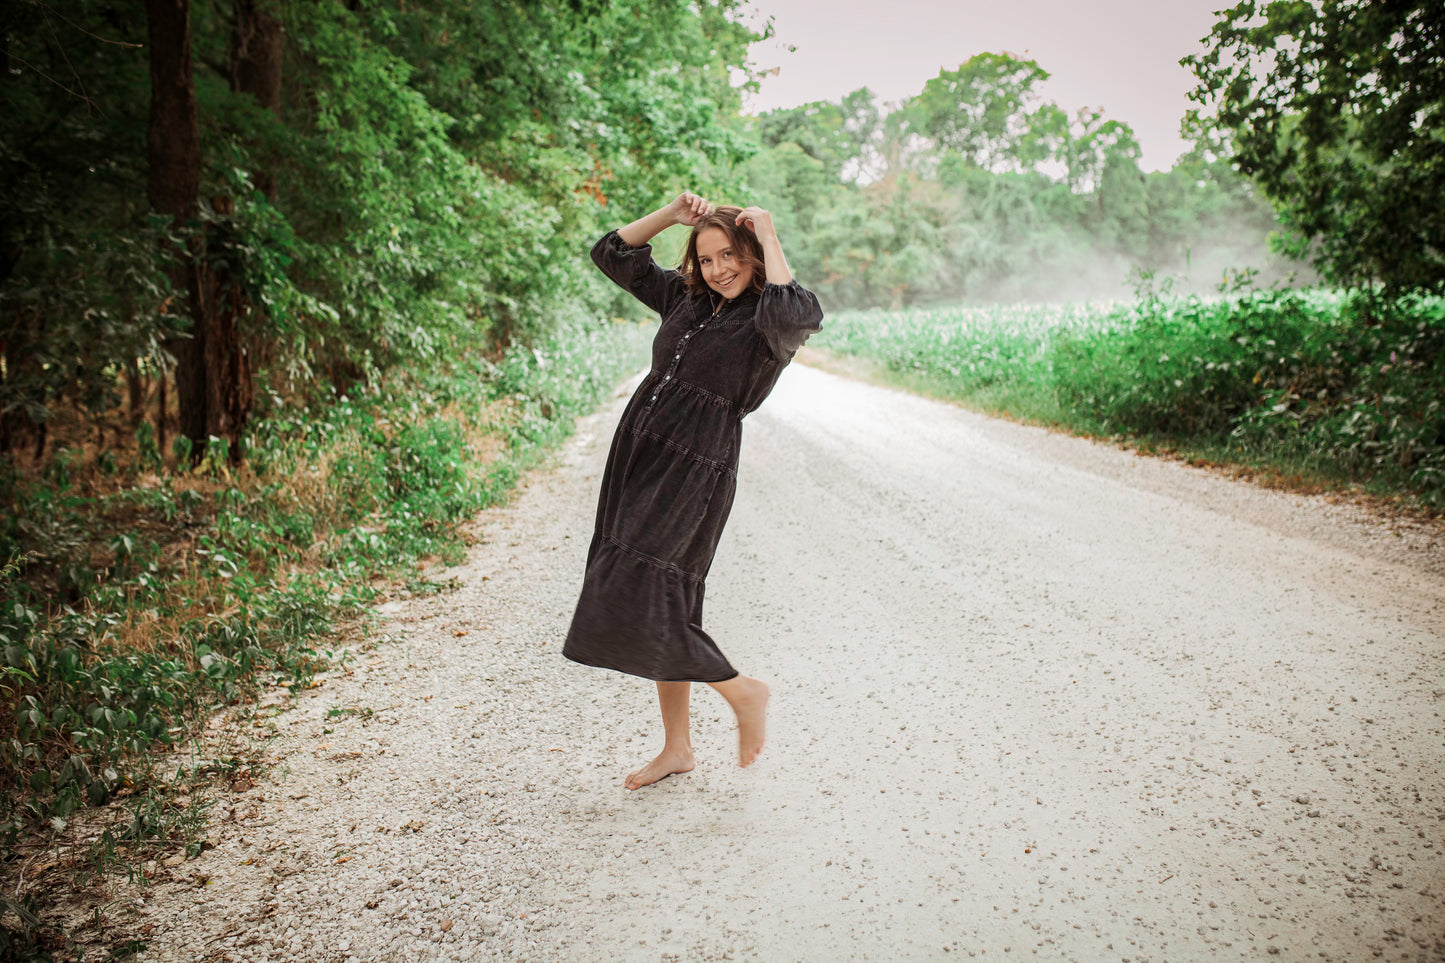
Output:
x=1121 y=55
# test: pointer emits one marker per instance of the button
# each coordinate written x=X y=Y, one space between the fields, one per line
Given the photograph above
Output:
x=654 y=397
x=667 y=377
x=676 y=356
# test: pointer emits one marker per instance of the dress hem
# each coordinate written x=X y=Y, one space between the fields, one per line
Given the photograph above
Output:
x=640 y=675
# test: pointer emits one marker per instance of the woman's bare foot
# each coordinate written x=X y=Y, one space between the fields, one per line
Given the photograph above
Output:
x=668 y=761
x=749 y=701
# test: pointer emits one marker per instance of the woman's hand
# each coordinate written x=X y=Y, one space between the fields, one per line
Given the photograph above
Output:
x=759 y=221
x=687 y=207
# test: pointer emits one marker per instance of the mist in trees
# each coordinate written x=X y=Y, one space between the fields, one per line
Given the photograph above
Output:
x=977 y=189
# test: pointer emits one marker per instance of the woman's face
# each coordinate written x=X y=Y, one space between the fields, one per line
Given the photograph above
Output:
x=719 y=264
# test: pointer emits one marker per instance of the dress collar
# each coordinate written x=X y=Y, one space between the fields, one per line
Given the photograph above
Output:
x=746 y=298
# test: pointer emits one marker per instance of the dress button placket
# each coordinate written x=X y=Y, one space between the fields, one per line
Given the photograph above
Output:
x=682 y=347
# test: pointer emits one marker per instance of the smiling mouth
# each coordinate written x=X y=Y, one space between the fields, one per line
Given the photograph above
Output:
x=723 y=284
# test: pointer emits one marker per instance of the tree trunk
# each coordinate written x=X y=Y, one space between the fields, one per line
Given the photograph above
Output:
x=173 y=155
x=258 y=45
x=162 y=402
x=230 y=390
x=257 y=49
x=214 y=389
x=135 y=394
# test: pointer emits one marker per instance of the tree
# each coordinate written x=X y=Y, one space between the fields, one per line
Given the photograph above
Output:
x=842 y=137
x=981 y=110
x=313 y=194
x=212 y=371
x=795 y=186
x=1335 y=108
x=1120 y=201
x=173 y=159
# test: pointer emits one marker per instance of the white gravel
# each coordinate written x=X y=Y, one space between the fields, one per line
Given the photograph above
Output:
x=1034 y=698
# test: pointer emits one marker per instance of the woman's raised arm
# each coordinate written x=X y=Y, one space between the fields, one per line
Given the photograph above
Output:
x=760 y=222
x=683 y=209
x=625 y=257
x=787 y=312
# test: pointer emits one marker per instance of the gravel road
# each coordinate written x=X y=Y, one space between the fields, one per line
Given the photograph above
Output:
x=1034 y=697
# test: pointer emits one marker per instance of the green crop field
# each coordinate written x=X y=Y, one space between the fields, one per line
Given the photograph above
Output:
x=1316 y=384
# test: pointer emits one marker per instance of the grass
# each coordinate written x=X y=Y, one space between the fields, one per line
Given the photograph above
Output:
x=137 y=597
x=1323 y=388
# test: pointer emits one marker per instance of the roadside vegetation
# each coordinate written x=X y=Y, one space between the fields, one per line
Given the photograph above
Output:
x=1313 y=387
x=156 y=594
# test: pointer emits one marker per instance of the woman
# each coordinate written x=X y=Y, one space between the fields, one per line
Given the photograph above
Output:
x=732 y=318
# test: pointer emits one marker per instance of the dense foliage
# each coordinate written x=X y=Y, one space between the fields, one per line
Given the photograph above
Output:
x=1335 y=108
x=418 y=184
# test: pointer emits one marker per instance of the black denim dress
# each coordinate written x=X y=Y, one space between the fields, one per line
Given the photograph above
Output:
x=672 y=470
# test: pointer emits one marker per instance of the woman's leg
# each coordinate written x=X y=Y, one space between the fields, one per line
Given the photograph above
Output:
x=749 y=701
x=676 y=755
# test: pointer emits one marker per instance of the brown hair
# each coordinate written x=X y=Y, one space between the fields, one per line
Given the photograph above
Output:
x=742 y=240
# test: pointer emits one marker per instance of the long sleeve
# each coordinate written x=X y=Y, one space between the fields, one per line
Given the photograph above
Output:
x=787 y=315
x=634 y=270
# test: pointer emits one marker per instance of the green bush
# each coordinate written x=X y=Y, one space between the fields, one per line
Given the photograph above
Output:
x=131 y=613
x=1193 y=367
